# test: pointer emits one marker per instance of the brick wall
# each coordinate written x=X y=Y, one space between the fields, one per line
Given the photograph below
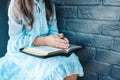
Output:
x=94 y=24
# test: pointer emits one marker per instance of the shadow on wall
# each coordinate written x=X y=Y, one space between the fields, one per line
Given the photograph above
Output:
x=3 y=26
x=86 y=54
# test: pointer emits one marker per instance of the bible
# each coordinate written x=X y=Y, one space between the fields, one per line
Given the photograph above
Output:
x=47 y=51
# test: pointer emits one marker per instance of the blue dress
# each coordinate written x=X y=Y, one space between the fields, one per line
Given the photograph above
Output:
x=18 y=66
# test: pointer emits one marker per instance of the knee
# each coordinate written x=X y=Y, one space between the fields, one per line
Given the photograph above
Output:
x=72 y=77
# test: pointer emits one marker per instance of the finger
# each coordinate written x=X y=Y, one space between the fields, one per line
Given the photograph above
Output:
x=67 y=41
x=61 y=40
x=61 y=35
x=61 y=45
x=57 y=36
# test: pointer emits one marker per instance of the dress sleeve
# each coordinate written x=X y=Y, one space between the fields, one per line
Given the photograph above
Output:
x=53 y=28
x=17 y=35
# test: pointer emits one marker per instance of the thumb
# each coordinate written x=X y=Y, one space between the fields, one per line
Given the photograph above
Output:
x=61 y=35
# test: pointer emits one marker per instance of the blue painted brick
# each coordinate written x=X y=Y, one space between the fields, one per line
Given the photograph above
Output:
x=102 y=77
x=84 y=26
x=61 y=24
x=108 y=56
x=111 y=2
x=116 y=72
x=58 y=2
x=98 y=12
x=94 y=40
x=116 y=46
x=98 y=67
x=77 y=2
x=60 y=11
x=111 y=29
x=94 y=27
x=66 y=12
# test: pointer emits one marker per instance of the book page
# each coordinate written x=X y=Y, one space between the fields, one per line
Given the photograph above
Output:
x=40 y=50
x=47 y=49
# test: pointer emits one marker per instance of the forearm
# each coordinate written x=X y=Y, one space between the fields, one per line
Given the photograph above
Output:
x=39 y=41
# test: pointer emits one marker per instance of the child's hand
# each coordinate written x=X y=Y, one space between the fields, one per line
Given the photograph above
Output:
x=63 y=37
x=58 y=41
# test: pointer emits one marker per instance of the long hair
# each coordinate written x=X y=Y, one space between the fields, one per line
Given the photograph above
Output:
x=25 y=8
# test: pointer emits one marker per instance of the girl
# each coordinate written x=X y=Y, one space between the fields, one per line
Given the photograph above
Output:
x=33 y=23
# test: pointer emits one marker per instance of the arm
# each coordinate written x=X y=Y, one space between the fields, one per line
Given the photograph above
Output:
x=54 y=39
x=18 y=37
x=53 y=28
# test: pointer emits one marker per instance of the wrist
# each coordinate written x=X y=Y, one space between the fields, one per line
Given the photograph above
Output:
x=45 y=40
x=40 y=41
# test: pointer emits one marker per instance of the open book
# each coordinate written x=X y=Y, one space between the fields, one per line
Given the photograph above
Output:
x=47 y=51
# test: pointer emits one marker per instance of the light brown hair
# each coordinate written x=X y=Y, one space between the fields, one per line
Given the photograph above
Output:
x=25 y=7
